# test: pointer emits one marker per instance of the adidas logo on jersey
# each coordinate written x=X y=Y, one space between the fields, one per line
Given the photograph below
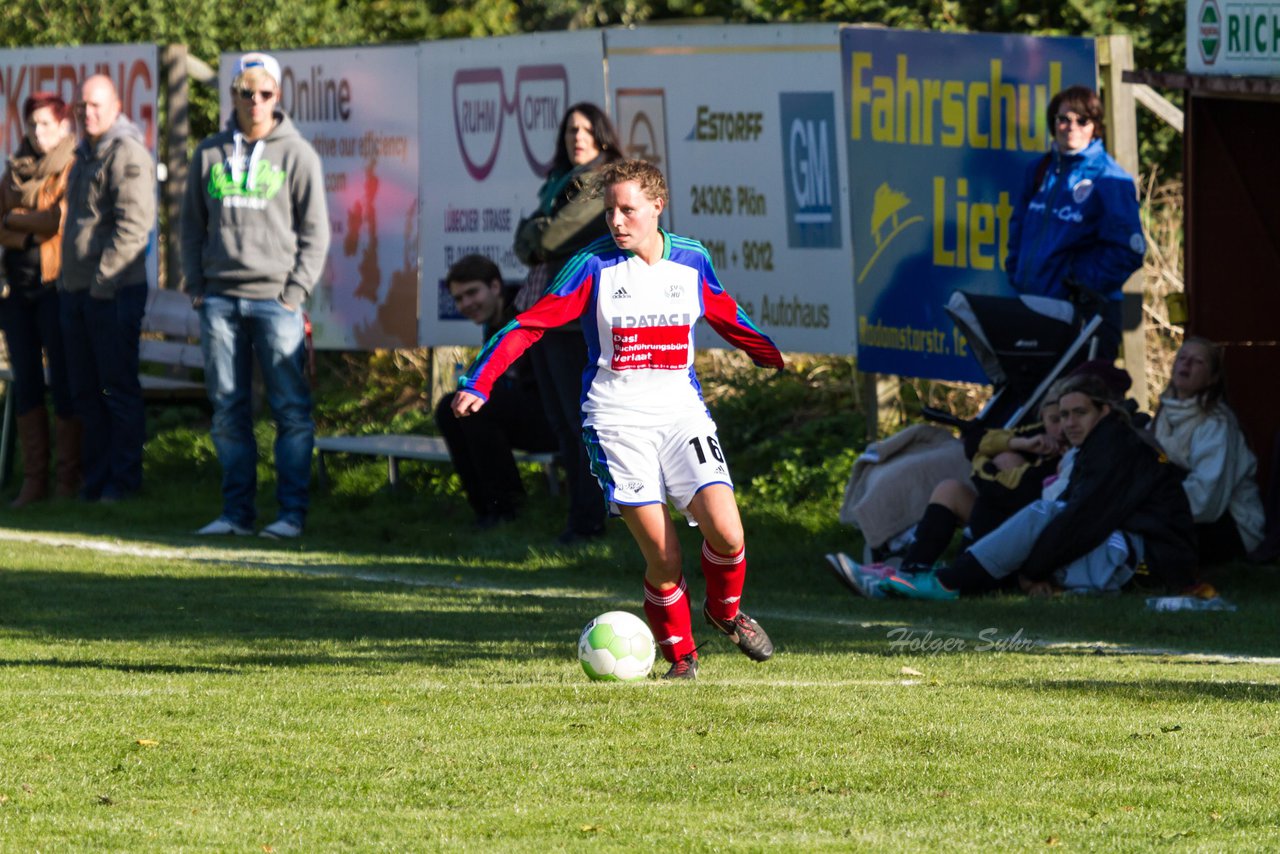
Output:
x=621 y=293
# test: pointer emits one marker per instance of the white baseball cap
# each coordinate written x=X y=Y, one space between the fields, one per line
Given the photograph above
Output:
x=262 y=61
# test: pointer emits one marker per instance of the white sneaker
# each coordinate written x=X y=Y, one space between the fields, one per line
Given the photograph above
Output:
x=281 y=529
x=222 y=525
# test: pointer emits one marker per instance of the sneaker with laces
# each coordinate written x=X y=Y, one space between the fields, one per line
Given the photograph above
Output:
x=684 y=667
x=923 y=585
x=745 y=632
x=281 y=529
x=862 y=578
x=221 y=526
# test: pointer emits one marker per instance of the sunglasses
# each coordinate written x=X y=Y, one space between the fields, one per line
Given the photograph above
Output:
x=1078 y=121
x=262 y=94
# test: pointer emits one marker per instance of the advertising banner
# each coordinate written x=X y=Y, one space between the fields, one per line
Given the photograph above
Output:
x=1234 y=37
x=358 y=108
x=490 y=118
x=745 y=122
x=941 y=130
x=133 y=68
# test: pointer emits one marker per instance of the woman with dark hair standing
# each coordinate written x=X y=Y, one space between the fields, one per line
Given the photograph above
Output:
x=1077 y=221
x=567 y=219
x=32 y=206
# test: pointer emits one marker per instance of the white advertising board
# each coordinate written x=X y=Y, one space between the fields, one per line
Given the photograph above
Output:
x=1234 y=37
x=133 y=68
x=358 y=108
x=490 y=114
x=745 y=121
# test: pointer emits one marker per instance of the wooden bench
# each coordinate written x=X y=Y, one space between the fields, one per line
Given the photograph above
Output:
x=412 y=447
x=171 y=363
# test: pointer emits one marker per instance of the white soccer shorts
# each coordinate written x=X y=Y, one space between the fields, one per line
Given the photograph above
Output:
x=653 y=465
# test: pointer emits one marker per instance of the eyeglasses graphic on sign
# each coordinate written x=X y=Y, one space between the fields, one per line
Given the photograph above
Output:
x=480 y=108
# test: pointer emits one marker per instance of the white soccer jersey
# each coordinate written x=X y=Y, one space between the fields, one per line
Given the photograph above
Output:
x=638 y=320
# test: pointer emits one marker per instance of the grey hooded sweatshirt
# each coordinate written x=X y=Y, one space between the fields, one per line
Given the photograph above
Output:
x=254 y=219
x=111 y=209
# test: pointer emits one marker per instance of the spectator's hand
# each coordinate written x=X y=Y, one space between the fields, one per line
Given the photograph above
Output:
x=1040 y=445
x=1043 y=445
x=1035 y=589
x=465 y=403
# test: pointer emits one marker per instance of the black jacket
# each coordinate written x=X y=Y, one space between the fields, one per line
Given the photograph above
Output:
x=1121 y=481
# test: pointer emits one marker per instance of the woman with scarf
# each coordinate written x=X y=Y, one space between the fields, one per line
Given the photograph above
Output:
x=32 y=207
x=567 y=219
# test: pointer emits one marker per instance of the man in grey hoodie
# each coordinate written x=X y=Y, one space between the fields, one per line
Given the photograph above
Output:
x=111 y=208
x=255 y=233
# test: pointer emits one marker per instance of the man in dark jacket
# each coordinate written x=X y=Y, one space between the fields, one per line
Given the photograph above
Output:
x=255 y=233
x=111 y=208
x=480 y=446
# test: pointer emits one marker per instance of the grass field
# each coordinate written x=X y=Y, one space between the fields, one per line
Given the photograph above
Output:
x=398 y=681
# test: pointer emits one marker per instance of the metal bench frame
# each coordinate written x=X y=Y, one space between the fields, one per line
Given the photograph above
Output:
x=413 y=447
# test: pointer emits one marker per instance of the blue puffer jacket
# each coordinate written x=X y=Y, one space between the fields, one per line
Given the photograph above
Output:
x=1080 y=223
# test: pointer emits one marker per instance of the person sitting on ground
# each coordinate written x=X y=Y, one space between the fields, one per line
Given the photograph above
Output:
x=480 y=446
x=1123 y=517
x=1197 y=429
x=1009 y=471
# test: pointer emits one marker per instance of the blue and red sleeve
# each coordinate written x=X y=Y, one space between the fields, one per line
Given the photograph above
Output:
x=562 y=304
x=731 y=323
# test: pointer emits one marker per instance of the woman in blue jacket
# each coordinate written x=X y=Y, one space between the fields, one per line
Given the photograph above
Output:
x=1077 y=222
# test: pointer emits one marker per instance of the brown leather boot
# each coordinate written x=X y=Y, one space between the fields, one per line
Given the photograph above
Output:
x=33 y=435
x=68 y=434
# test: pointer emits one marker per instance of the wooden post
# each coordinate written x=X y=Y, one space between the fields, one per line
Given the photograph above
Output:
x=1115 y=56
x=867 y=390
x=177 y=129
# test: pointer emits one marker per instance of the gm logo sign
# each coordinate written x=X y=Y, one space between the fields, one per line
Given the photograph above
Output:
x=809 y=169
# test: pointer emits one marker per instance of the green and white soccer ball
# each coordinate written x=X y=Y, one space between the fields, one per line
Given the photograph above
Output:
x=616 y=647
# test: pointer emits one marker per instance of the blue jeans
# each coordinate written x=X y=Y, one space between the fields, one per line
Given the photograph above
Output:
x=232 y=329
x=1102 y=568
x=100 y=337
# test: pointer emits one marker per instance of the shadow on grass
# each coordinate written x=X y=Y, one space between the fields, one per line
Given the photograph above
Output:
x=424 y=535
x=116 y=666
x=1149 y=690
x=246 y=619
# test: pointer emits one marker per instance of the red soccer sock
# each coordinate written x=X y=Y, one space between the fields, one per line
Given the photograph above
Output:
x=725 y=576
x=668 y=615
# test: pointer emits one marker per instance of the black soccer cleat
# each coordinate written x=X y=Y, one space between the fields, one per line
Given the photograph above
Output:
x=685 y=667
x=745 y=632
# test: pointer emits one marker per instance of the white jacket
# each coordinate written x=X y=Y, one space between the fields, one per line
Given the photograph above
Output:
x=1210 y=446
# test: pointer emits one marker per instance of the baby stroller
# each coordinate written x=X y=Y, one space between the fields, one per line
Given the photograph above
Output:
x=1023 y=344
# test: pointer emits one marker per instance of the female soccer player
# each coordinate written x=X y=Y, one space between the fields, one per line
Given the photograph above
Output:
x=638 y=294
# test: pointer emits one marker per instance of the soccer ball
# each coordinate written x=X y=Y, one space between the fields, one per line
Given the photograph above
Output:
x=616 y=647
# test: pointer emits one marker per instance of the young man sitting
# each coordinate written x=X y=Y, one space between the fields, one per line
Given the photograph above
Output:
x=480 y=446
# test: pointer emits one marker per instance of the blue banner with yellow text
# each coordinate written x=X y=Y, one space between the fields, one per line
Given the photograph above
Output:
x=941 y=130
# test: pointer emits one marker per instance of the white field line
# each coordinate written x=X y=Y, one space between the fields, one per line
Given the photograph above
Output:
x=324 y=567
